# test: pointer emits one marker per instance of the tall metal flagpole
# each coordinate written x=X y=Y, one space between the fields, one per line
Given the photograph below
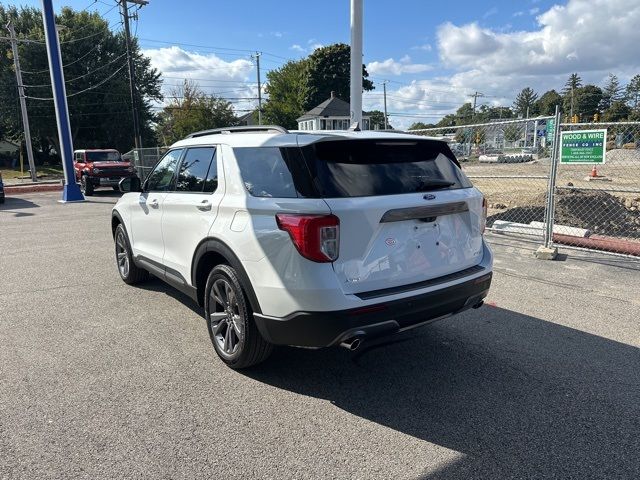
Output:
x=71 y=191
x=356 y=63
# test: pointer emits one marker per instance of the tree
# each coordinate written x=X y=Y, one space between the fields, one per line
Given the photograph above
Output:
x=573 y=82
x=612 y=92
x=96 y=83
x=328 y=70
x=376 y=120
x=286 y=90
x=587 y=100
x=486 y=113
x=525 y=102
x=192 y=110
x=420 y=126
x=546 y=104
x=618 y=111
x=464 y=114
x=633 y=92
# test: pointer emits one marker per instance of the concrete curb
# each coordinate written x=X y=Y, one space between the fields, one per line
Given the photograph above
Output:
x=32 y=188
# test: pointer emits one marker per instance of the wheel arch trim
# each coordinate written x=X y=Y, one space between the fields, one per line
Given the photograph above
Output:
x=215 y=245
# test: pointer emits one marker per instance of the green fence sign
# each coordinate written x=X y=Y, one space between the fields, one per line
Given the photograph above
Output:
x=584 y=146
x=551 y=129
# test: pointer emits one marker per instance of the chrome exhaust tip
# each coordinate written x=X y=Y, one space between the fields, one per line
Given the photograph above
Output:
x=479 y=304
x=352 y=344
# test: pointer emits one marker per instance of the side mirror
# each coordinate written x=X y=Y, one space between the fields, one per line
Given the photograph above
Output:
x=130 y=184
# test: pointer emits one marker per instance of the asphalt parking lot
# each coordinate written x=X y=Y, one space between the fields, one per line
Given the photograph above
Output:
x=102 y=380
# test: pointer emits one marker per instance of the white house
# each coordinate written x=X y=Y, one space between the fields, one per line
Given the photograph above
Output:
x=332 y=114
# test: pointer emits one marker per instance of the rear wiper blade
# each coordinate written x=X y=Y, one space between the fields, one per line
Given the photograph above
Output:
x=433 y=185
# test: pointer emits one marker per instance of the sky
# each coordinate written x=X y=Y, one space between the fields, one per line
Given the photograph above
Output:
x=433 y=55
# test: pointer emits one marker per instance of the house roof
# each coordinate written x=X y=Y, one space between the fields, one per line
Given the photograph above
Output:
x=331 y=107
x=7 y=146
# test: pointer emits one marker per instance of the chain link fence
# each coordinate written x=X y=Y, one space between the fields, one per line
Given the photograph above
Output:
x=509 y=161
x=517 y=163
x=144 y=159
x=597 y=205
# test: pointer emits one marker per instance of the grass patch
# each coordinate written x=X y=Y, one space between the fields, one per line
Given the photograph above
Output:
x=42 y=172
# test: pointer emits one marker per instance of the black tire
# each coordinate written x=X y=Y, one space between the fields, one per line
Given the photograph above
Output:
x=116 y=189
x=2 y=198
x=251 y=347
x=132 y=274
x=86 y=186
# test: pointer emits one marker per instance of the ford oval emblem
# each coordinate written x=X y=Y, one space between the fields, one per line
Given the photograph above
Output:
x=429 y=196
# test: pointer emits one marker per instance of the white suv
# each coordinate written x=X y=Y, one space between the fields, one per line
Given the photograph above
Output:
x=307 y=238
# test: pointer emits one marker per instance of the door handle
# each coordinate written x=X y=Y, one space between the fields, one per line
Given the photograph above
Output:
x=204 y=206
x=154 y=203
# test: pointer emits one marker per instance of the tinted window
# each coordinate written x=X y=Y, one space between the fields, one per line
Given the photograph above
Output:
x=265 y=172
x=193 y=169
x=103 y=157
x=211 y=184
x=354 y=168
x=161 y=179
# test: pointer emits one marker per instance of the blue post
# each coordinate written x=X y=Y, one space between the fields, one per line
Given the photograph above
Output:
x=71 y=192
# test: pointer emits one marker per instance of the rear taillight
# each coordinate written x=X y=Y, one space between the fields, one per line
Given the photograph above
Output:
x=483 y=220
x=317 y=237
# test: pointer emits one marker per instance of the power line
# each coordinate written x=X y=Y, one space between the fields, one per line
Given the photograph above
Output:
x=86 y=89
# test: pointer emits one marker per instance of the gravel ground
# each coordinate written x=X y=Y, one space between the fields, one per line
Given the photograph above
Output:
x=102 y=380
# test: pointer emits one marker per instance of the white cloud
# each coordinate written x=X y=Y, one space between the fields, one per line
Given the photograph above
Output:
x=229 y=79
x=297 y=48
x=518 y=14
x=583 y=36
x=425 y=47
x=533 y=11
x=393 y=67
x=489 y=13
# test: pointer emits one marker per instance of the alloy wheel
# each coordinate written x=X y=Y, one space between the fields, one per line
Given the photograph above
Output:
x=122 y=255
x=226 y=320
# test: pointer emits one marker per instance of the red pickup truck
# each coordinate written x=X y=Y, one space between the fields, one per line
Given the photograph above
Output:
x=100 y=168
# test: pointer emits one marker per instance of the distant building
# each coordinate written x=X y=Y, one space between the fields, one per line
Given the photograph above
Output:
x=332 y=114
x=249 y=119
x=7 y=147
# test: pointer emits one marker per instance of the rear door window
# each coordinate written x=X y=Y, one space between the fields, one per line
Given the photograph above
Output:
x=355 y=168
x=194 y=169
x=265 y=172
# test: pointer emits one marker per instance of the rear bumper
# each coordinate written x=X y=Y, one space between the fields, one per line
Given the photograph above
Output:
x=322 y=329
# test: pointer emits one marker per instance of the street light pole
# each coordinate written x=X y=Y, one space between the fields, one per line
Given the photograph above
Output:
x=23 y=103
x=356 y=63
x=71 y=191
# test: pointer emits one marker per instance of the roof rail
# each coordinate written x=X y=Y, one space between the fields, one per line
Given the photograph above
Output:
x=246 y=129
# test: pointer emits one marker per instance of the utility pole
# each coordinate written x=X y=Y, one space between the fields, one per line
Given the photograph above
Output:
x=259 y=88
x=571 y=114
x=475 y=100
x=23 y=102
x=384 y=87
x=124 y=9
x=355 y=101
x=526 y=129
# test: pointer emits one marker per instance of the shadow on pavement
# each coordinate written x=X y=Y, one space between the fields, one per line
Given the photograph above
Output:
x=16 y=203
x=516 y=395
x=154 y=284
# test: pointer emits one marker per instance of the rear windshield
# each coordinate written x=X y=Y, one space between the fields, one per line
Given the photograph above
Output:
x=350 y=168
x=103 y=156
x=357 y=168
